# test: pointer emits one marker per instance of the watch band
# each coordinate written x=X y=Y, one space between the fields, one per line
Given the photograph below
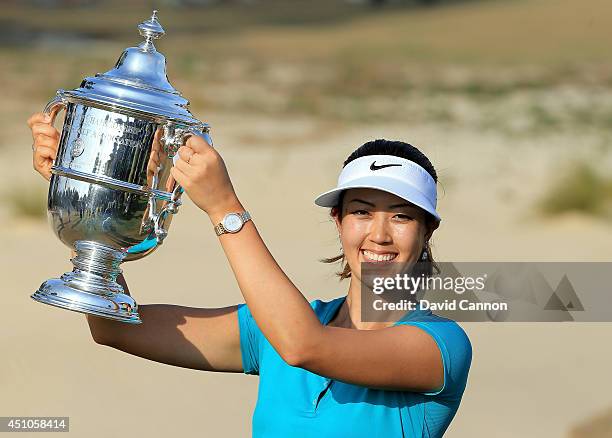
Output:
x=220 y=229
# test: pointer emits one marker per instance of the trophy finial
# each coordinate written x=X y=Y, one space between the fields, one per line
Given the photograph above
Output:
x=151 y=30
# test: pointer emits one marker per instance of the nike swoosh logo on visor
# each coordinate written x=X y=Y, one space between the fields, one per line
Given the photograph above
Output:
x=373 y=166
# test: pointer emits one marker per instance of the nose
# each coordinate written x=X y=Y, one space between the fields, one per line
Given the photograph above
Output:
x=379 y=230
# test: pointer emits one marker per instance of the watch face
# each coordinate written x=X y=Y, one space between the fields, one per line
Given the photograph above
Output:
x=232 y=222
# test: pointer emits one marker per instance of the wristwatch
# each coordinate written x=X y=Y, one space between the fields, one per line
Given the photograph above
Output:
x=232 y=223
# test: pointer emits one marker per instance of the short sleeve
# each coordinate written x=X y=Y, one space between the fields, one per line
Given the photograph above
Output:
x=250 y=340
x=456 y=351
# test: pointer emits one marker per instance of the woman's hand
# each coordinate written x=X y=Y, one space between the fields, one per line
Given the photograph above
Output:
x=202 y=173
x=46 y=140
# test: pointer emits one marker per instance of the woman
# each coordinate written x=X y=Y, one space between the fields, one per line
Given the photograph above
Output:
x=323 y=372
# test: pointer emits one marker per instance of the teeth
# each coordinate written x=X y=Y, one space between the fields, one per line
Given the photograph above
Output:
x=378 y=257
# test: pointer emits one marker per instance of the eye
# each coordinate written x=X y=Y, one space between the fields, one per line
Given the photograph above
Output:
x=360 y=212
x=404 y=217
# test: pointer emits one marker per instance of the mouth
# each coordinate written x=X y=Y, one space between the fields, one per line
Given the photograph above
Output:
x=373 y=257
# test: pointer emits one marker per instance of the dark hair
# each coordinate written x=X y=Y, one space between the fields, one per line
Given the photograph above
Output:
x=398 y=149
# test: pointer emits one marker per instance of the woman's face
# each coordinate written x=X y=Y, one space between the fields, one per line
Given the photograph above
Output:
x=378 y=227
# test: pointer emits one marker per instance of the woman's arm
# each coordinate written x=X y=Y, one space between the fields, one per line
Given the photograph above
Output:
x=401 y=357
x=202 y=339
x=395 y=358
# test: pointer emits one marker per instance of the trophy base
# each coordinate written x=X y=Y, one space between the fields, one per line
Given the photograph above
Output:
x=91 y=287
x=119 y=307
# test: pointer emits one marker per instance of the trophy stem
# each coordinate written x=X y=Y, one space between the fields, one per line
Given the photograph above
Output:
x=96 y=268
x=91 y=287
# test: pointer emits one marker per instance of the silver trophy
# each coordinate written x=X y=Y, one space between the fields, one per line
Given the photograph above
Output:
x=111 y=195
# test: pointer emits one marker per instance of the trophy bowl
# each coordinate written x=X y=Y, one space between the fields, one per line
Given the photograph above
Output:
x=111 y=195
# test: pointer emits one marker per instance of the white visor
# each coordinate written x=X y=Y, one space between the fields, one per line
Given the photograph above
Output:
x=395 y=175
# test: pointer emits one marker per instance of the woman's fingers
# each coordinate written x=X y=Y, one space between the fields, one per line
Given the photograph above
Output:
x=179 y=176
x=186 y=153
x=38 y=118
x=45 y=129
x=184 y=167
x=43 y=159
x=46 y=141
x=44 y=153
x=198 y=144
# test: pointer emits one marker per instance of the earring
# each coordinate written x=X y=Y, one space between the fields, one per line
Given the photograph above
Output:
x=424 y=255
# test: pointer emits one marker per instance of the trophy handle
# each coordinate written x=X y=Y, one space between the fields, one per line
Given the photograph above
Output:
x=58 y=103
x=173 y=139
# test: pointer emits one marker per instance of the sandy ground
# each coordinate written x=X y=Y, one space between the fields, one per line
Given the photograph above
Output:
x=529 y=380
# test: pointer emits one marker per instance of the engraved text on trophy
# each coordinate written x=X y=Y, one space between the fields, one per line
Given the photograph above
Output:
x=107 y=143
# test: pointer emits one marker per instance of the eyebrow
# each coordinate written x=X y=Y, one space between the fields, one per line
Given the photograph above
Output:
x=402 y=205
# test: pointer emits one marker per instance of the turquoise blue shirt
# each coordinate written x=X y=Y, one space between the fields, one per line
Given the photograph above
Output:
x=295 y=402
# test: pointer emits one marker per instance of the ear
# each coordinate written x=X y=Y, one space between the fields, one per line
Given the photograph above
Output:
x=335 y=214
x=432 y=225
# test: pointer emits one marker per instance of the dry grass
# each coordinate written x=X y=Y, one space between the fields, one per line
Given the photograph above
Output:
x=580 y=188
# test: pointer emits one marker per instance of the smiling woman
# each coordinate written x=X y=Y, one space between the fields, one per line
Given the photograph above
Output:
x=360 y=176
x=391 y=379
x=323 y=371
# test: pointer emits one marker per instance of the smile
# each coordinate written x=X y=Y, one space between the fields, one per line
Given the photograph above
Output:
x=373 y=257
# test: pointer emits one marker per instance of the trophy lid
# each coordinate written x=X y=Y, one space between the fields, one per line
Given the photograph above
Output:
x=138 y=82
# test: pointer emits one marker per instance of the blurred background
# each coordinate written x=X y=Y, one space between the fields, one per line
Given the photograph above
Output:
x=510 y=99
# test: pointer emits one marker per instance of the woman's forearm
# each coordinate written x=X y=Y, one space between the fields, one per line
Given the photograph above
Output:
x=281 y=311
x=104 y=330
